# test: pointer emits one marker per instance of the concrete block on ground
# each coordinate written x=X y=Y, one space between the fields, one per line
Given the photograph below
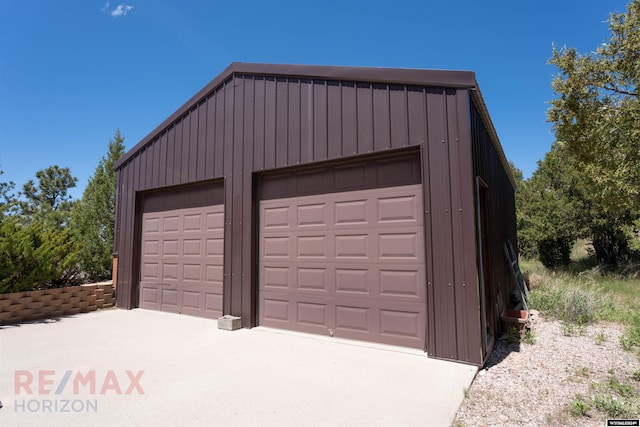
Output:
x=229 y=323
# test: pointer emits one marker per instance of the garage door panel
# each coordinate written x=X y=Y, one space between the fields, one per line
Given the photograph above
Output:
x=150 y=295
x=311 y=215
x=276 y=310
x=314 y=279
x=401 y=283
x=352 y=319
x=182 y=261
x=399 y=246
x=351 y=264
x=193 y=223
x=192 y=273
x=276 y=247
x=350 y=246
x=400 y=323
x=151 y=226
x=170 y=300
x=215 y=221
x=352 y=212
x=277 y=217
x=170 y=224
x=402 y=209
x=276 y=277
x=213 y=305
x=352 y=280
x=192 y=247
x=151 y=271
x=312 y=314
x=170 y=247
x=191 y=300
x=170 y=272
x=311 y=247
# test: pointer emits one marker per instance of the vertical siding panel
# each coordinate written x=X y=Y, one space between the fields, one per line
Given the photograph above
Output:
x=218 y=157
x=381 y=125
x=468 y=251
x=128 y=255
x=192 y=167
x=443 y=294
x=501 y=225
x=209 y=165
x=319 y=120
x=398 y=113
x=156 y=162
x=364 y=93
x=416 y=115
x=163 y=170
x=171 y=155
x=202 y=141
x=150 y=166
x=186 y=148
x=123 y=291
x=229 y=241
x=293 y=131
x=334 y=120
x=463 y=233
x=306 y=119
x=456 y=223
x=237 y=227
x=349 y=119
x=282 y=117
x=270 y=123
x=259 y=137
x=117 y=218
x=177 y=152
x=422 y=126
x=248 y=226
x=139 y=162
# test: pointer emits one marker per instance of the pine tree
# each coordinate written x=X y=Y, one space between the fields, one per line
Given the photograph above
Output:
x=94 y=215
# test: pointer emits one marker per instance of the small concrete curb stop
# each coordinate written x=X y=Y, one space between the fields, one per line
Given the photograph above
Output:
x=229 y=323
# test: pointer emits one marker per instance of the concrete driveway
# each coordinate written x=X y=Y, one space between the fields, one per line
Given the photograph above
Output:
x=118 y=367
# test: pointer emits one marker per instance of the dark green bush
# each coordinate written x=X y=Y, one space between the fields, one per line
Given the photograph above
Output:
x=554 y=252
x=35 y=255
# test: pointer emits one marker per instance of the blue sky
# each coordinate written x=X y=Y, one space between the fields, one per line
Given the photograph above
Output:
x=73 y=71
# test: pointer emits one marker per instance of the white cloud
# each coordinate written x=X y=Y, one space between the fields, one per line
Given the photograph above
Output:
x=121 y=10
x=106 y=6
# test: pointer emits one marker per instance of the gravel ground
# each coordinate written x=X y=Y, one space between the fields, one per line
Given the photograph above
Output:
x=533 y=384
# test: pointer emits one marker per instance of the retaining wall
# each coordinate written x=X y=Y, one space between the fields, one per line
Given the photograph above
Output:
x=34 y=305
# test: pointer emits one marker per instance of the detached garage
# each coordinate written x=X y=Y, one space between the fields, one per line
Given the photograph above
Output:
x=363 y=203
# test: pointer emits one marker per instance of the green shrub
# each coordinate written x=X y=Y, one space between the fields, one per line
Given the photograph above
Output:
x=631 y=336
x=570 y=302
x=554 y=252
x=579 y=406
x=34 y=255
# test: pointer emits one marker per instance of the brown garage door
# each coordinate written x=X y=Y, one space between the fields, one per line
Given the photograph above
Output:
x=347 y=264
x=182 y=261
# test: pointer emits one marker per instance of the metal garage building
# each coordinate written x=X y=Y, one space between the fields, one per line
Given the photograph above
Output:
x=366 y=203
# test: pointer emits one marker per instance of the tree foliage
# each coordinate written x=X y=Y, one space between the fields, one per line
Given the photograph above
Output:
x=49 y=199
x=36 y=247
x=7 y=199
x=596 y=118
x=94 y=215
x=47 y=239
x=35 y=254
x=551 y=209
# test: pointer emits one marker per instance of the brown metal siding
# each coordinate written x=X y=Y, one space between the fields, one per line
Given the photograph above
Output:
x=249 y=123
x=501 y=223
